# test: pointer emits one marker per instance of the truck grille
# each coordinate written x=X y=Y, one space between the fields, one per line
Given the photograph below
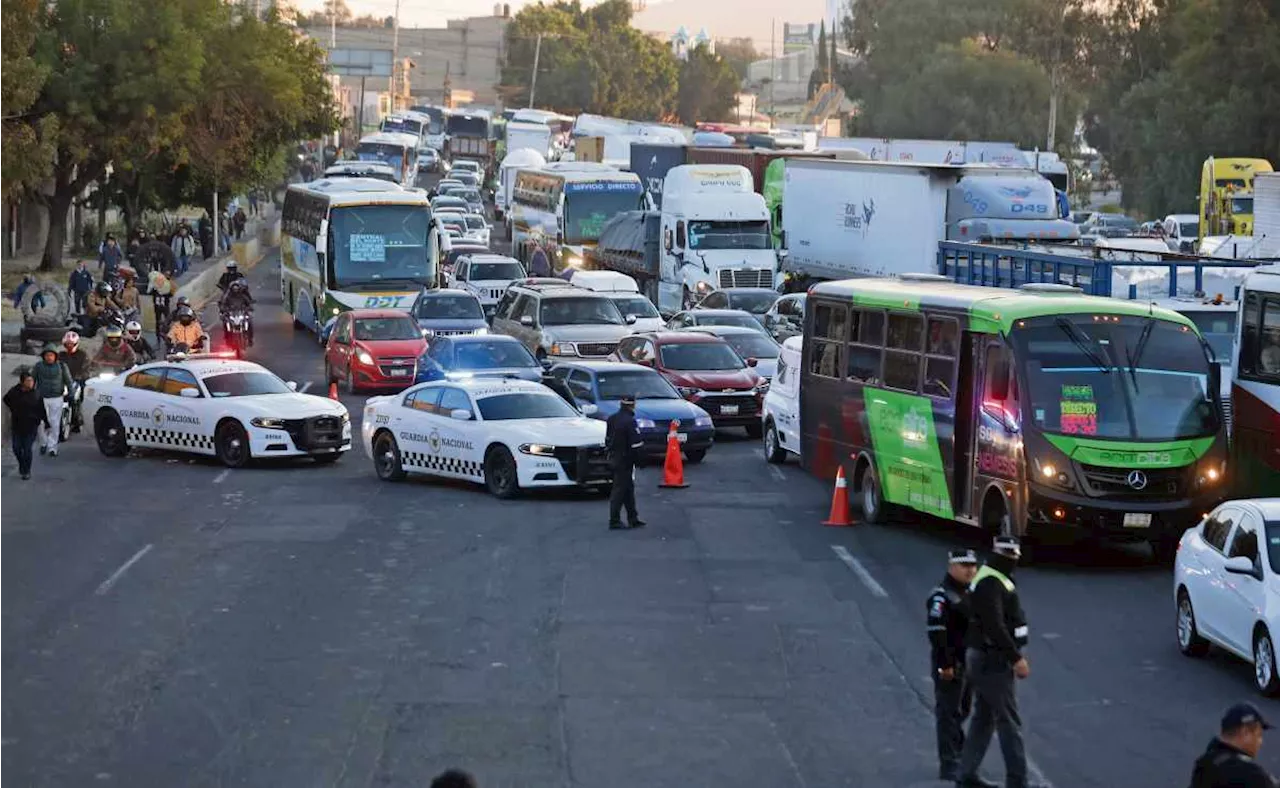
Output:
x=1163 y=484
x=746 y=277
x=597 y=348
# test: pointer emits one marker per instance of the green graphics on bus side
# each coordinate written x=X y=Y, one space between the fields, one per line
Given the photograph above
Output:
x=1122 y=454
x=908 y=457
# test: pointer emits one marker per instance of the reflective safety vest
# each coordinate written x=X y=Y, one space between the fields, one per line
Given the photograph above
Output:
x=986 y=571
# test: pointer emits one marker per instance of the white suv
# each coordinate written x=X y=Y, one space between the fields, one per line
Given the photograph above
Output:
x=486 y=276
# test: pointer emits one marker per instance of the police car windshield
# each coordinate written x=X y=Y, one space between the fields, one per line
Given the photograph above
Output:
x=636 y=305
x=700 y=356
x=387 y=329
x=244 y=384
x=483 y=272
x=493 y=355
x=505 y=407
x=641 y=384
x=450 y=308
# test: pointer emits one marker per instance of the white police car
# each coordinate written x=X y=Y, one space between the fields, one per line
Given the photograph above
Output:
x=507 y=434
x=216 y=405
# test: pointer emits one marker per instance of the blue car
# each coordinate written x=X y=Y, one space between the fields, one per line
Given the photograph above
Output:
x=447 y=313
x=476 y=355
x=604 y=383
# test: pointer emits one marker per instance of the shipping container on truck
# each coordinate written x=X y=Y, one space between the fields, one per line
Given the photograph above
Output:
x=534 y=136
x=1266 y=215
x=1000 y=154
x=630 y=243
x=652 y=162
x=755 y=160
x=844 y=219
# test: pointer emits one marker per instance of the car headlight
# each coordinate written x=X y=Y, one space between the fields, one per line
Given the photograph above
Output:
x=480 y=331
x=564 y=349
x=703 y=421
x=267 y=424
x=704 y=287
x=538 y=449
x=574 y=261
x=760 y=387
x=645 y=424
x=346 y=417
x=689 y=391
x=364 y=358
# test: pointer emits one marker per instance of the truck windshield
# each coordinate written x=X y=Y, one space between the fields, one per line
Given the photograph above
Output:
x=1242 y=206
x=1119 y=377
x=379 y=245
x=585 y=212
x=706 y=235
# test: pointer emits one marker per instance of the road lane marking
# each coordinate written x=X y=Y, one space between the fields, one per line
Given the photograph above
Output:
x=303 y=388
x=116 y=575
x=861 y=571
x=222 y=477
x=777 y=473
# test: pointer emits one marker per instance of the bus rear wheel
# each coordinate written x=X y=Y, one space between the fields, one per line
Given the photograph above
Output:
x=869 y=496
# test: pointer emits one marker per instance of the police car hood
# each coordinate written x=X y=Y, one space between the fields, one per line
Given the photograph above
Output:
x=579 y=431
x=285 y=406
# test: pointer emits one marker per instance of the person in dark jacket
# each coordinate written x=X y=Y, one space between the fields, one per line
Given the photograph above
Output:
x=230 y=275
x=1228 y=761
x=77 y=361
x=993 y=660
x=622 y=440
x=37 y=300
x=80 y=286
x=239 y=220
x=26 y=413
x=110 y=258
x=947 y=624
x=204 y=229
x=53 y=380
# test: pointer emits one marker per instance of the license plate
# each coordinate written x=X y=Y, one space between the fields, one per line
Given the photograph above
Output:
x=1136 y=520
x=682 y=436
x=729 y=410
x=399 y=373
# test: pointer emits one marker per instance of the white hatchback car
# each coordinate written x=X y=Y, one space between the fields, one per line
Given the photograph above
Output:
x=1226 y=585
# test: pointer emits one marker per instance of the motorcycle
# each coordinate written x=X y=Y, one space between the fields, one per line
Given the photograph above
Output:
x=171 y=348
x=235 y=328
x=71 y=420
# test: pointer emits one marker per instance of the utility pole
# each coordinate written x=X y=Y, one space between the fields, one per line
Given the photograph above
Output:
x=395 y=59
x=1055 y=77
x=533 y=80
x=773 y=65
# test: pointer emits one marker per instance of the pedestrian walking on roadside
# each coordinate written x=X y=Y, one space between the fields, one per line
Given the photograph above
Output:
x=1228 y=761
x=993 y=664
x=26 y=414
x=239 y=220
x=454 y=778
x=79 y=286
x=53 y=379
x=109 y=258
x=204 y=229
x=253 y=202
x=184 y=248
x=947 y=624
x=622 y=441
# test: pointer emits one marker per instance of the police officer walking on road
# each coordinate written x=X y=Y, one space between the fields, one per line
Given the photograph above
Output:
x=623 y=442
x=1228 y=762
x=993 y=661
x=948 y=626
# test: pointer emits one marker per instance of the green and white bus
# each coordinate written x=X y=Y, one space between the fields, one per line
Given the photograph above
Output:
x=350 y=243
x=1032 y=412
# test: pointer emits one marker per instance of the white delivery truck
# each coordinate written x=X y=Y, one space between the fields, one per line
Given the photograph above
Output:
x=715 y=233
x=1266 y=215
x=534 y=136
x=999 y=154
x=844 y=219
x=516 y=159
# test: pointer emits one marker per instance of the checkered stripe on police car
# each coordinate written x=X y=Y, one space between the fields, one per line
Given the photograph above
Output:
x=181 y=440
x=434 y=462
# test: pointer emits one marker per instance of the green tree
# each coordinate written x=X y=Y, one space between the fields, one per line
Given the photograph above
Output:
x=27 y=152
x=739 y=53
x=708 y=87
x=821 y=52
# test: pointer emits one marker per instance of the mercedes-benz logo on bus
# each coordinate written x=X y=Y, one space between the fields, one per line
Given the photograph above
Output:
x=1137 y=480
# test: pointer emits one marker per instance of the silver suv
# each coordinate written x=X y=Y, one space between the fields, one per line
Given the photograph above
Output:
x=556 y=319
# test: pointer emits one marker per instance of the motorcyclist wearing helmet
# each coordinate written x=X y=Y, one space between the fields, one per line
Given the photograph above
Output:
x=230 y=275
x=186 y=329
x=238 y=298
x=115 y=355
x=77 y=362
x=134 y=338
x=98 y=301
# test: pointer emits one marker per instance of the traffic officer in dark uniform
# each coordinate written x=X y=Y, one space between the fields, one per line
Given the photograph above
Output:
x=993 y=662
x=1228 y=762
x=948 y=625
x=622 y=440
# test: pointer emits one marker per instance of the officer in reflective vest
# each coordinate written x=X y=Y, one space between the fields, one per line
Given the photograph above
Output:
x=993 y=660
x=947 y=623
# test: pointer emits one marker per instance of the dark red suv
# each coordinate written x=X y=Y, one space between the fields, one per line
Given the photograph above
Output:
x=705 y=370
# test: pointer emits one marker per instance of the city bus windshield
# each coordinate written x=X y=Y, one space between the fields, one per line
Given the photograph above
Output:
x=587 y=206
x=1118 y=377
x=706 y=235
x=380 y=245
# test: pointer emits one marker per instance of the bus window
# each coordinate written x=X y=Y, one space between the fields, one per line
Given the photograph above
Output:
x=829 y=324
x=999 y=398
x=940 y=357
x=1260 y=339
x=866 y=347
x=902 y=354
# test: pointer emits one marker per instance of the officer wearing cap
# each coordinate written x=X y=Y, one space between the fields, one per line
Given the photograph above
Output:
x=947 y=624
x=993 y=659
x=1228 y=761
x=622 y=440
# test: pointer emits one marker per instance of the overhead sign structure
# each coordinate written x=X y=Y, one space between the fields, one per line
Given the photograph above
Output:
x=360 y=62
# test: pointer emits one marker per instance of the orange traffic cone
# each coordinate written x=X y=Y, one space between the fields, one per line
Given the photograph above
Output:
x=673 y=469
x=839 y=502
x=333 y=389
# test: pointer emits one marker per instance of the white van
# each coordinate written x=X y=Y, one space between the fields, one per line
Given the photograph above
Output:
x=781 y=414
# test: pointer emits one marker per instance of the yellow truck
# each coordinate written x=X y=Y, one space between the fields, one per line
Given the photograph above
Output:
x=1226 y=195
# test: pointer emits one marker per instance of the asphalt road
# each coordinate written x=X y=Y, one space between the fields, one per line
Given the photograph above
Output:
x=167 y=622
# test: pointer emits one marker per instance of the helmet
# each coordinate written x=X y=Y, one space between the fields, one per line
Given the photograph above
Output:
x=70 y=340
x=239 y=284
x=186 y=315
x=231 y=264
x=114 y=335
x=133 y=328
x=181 y=302
x=104 y=289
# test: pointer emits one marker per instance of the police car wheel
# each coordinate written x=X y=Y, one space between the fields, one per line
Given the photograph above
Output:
x=1190 y=642
x=773 y=451
x=108 y=431
x=695 y=456
x=500 y=475
x=386 y=458
x=1264 y=663
x=232 y=445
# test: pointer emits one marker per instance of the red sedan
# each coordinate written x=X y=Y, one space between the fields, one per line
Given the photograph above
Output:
x=373 y=349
